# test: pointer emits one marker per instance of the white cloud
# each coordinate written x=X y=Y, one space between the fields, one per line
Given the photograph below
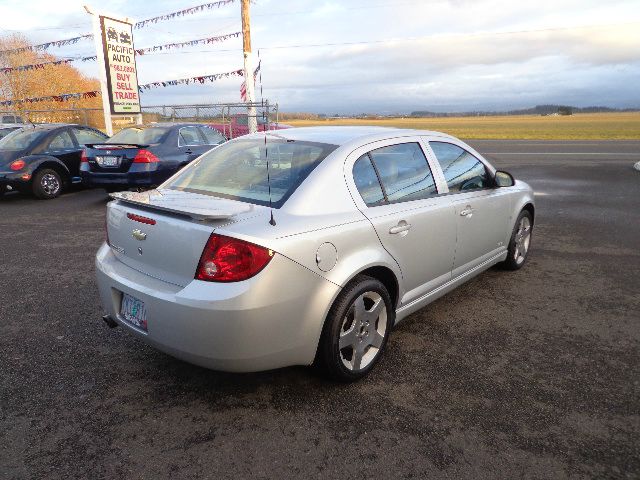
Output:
x=443 y=67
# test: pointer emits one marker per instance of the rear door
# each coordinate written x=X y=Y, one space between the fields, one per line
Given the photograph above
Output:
x=481 y=210
x=62 y=145
x=191 y=142
x=394 y=187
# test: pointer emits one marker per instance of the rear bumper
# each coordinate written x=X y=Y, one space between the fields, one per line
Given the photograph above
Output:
x=93 y=179
x=270 y=321
x=14 y=179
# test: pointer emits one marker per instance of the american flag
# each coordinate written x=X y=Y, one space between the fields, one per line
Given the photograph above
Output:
x=243 y=87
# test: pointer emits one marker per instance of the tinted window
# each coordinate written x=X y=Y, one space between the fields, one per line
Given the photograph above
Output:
x=364 y=175
x=212 y=135
x=61 y=141
x=190 y=136
x=404 y=172
x=139 y=135
x=462 y=170
x=85 y=135
x=238 y=170
x=21 y=139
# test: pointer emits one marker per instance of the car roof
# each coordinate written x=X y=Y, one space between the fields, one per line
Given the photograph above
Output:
x=344 y=135
x=168 y=125
x=47 y=126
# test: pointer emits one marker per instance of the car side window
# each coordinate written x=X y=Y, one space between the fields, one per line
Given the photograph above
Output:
x=366 y=180
x=61 y=141
x=404 y=172
x=86 y=135
x=462 y=171
x=189 y=136
x=213 y=136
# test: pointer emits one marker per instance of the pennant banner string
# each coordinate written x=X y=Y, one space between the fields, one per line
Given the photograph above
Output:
x=44 y=46
x=36 y=66
x=187 y=81
x=180 y=13
x=189 y=43
x=141 y=51
x=63 y=97
x=141 y=24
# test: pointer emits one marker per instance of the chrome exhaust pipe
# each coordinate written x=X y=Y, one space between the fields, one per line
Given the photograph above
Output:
x=109 y=321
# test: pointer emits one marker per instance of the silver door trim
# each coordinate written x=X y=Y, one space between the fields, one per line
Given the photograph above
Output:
x=418 y=303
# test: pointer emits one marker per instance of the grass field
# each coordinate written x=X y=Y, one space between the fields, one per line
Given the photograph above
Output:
x=584 y=126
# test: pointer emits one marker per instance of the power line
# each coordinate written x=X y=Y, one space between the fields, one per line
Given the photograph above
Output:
x=407 y=39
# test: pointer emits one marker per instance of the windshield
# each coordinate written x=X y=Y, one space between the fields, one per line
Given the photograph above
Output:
x=6 y=131
x=21 y=139
x=238 y=170
x=140 y=136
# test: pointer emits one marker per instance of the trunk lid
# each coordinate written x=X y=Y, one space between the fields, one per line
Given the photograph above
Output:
x=162 y=233
x=112 y=157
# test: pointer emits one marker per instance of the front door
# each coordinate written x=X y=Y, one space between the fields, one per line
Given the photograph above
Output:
x=415 y=225
x=481 y=210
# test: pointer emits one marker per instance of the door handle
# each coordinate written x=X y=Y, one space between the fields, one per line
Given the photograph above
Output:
x=467 y=212
x=188 y=152
x=401 y=227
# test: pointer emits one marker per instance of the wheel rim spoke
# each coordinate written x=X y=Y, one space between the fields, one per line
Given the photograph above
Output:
x=356 y=360
x=377 y=339
x=348 y=338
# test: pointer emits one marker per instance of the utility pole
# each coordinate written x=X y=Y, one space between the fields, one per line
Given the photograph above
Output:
x=248 y=67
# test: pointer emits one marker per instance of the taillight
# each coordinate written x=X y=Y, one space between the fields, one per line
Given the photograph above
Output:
x=17 y=165
x=141 y=219
x=145 y=156
x=83 y=157
x=227 y=259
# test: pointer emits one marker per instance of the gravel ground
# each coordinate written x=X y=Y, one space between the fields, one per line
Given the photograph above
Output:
x=528 y=374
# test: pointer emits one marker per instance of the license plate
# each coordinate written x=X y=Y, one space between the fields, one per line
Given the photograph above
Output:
x=134 y=311
x=108 y=161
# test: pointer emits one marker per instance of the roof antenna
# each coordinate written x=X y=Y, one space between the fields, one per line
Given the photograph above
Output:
x=258 y=70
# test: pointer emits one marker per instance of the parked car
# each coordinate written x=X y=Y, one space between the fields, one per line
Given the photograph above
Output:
x=239 y=126
x=145 y=156
x=7 y=128
x=11 y=118
x=44 y=159
x=240 y=265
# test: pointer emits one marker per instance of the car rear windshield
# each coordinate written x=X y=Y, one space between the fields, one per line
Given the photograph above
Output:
x=21 y=139
x=238 y=170
x=139 y=136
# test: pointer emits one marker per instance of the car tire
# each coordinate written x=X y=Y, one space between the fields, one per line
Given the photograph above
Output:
x=3 y=190
x=356 y=330
x=520 y=242
x=114 y=189
x=46 y=184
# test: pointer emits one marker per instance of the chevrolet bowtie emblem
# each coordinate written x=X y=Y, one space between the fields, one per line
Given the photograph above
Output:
x=138 y=234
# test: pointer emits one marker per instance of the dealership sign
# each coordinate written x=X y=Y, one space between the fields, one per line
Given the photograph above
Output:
x=120 y=65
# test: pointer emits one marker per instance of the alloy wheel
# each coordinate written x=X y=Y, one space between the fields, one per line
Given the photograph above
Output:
x=522 y=240
x=363 y=331
x=50 y=184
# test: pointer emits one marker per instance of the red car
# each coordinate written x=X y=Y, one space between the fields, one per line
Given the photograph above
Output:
x=239 y=125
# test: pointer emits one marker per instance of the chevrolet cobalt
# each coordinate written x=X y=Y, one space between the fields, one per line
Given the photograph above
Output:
x=306 y=246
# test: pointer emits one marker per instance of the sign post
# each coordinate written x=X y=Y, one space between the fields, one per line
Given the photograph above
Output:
x=116 y=59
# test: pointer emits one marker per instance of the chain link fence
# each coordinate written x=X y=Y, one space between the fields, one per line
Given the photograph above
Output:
x=230 y=118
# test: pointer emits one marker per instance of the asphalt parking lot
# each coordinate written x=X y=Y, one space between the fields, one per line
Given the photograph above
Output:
x=530 y=374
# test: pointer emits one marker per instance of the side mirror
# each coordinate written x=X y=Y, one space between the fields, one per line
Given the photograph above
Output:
x=504 y=179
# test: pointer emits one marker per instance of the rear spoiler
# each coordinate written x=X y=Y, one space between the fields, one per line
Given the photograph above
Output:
x=197 y=206
x=114 y=146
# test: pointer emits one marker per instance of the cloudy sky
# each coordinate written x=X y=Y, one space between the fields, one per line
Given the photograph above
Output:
x=385 y=56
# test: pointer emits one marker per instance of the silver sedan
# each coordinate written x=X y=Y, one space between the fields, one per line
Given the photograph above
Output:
x=306 y=246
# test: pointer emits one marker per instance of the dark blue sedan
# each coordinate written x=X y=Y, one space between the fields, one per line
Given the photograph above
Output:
x=146 y=155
